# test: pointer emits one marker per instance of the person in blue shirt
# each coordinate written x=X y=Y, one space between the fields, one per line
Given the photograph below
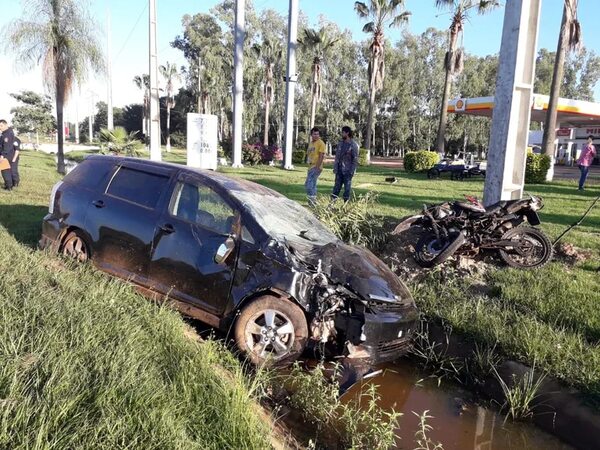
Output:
x=346 y=162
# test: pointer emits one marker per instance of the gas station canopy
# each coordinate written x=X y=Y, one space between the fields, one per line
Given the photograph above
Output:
x=570 y=113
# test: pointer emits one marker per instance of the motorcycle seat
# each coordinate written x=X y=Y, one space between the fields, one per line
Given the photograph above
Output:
x=470 y=207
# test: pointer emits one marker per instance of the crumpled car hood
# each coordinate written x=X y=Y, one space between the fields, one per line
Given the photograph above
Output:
x=355 y=268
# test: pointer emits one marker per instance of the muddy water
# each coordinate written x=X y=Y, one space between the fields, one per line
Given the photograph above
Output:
x=458 y=423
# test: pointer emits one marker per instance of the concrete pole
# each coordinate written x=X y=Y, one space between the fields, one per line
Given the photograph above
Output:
x=109 y=104
x=505 y=175
x=155 y=153
x=239 y=33
x=77 y=118
x=290 y=85
x=91 y=119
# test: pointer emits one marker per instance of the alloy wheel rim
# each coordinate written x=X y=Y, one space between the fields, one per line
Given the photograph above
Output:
x=270 y=333
x=76 y=249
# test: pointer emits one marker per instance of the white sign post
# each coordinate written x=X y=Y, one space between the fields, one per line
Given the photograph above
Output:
x=202 y=141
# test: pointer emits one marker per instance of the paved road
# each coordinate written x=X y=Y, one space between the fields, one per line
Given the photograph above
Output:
x=560 y=172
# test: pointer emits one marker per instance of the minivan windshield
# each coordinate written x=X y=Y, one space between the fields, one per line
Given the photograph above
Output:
x=283 y=218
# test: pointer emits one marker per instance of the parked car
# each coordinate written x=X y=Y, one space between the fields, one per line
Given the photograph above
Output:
x=233 y=254
x=458 y=169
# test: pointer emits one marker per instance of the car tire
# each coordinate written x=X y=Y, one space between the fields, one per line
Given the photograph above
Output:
x=75 y=246
x=271 y=331
x=433 y=173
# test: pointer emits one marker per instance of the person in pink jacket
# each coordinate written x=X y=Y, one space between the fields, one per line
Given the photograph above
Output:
x=585 y=160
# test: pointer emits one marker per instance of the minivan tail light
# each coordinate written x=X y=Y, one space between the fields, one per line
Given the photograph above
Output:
x=53 y=196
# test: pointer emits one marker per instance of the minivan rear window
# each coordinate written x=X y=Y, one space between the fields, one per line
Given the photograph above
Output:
x=138 y=187
x=89 y=174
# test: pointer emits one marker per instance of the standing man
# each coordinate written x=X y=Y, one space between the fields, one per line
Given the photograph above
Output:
x=7 y=151
x=585 y=160
x=315 y=156
x=346 y=162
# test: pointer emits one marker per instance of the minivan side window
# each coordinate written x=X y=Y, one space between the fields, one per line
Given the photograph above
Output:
x=138 y=187
x=89 y=174
x=199 y=204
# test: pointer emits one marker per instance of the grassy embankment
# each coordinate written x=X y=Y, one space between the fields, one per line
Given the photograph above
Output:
x=85 y=362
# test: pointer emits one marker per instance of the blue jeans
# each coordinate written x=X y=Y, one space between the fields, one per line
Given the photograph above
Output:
x=342 y=179
x=311 y=184
x=584 y=173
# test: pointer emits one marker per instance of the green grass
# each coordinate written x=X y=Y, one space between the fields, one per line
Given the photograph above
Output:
x=85 y=362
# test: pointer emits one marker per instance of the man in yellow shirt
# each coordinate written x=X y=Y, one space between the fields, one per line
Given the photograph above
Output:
x=315 y=155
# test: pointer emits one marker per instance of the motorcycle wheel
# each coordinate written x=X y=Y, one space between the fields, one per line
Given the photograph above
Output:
x=534 y=251
x=431 y=251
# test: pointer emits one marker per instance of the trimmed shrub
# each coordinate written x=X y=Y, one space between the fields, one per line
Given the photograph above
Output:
x=271 y=153
x=299 y=156
x=420 y=161
x=536 y=168
x=178 y=139
x=251 y=155
x=362 y=157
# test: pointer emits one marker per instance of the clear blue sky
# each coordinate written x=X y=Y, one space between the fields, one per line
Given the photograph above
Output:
x=130 y=37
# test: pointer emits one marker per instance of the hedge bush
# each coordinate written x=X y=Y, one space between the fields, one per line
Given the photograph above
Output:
x=420 y=161
x=362 y=157
x=251 y=155
x=299 y=156
x=536 y=168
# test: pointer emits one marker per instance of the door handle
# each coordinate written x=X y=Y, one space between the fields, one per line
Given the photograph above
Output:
x=167 y=228
x=98 y=203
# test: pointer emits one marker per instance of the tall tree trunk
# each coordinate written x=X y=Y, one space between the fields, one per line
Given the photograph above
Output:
x=313 y=106
x=266 y=132
x=370 y=118
x=557 y=77
x=441 y=134
x=168 y=130
x=60 y=154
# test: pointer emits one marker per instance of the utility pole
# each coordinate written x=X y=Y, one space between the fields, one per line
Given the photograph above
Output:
x=155 y=153
x=505 y=175
x=290 y=84
x=91 y=119
x=109 y=119
x=77 y=118
x=239 y=33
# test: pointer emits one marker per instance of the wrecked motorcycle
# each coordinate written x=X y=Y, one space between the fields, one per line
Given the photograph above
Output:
x=467 y=227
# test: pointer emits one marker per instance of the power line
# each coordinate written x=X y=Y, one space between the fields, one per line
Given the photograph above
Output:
x=132 y=30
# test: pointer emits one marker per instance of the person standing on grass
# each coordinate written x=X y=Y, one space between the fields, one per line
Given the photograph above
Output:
x=315 y=155
x=7 y=151
x=346 y=162
x=585 y=160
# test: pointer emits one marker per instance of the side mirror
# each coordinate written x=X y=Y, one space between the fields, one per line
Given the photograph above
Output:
x=224 y=250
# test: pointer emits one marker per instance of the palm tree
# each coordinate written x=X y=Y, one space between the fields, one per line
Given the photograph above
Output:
x=61 y=35
x=318 y=42
x=380 y=13
x=143 y=84
x=170 y=74
x=569 y=39
x=453 y=63
x=269 y=52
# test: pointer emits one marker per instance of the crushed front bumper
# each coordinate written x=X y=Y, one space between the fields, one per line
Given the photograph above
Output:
x=379 y=336
x=50 y=233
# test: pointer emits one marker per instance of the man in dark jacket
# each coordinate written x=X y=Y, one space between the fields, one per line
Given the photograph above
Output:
x=8 y=151
x=346 y=162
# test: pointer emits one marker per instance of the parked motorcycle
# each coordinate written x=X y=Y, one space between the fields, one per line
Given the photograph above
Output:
x=467 y=227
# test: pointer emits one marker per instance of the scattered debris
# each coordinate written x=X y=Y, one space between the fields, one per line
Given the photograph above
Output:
x=572 y=255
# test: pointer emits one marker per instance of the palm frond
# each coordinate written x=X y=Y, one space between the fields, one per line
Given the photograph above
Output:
x=400 y=20
x=361 y=9
x=485 y=6
x=369 y=27
x=444 y=4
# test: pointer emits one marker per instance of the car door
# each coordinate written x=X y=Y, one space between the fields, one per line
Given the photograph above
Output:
x=196 y=223
x=121 y=219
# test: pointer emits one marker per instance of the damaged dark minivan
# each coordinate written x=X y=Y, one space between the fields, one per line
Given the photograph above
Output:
x=233 y=254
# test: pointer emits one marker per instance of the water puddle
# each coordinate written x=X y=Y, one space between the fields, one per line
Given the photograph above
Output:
x=458 y=422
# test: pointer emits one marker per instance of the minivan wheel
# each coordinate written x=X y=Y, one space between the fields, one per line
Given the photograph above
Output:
x=271 y=331
x=76 y=247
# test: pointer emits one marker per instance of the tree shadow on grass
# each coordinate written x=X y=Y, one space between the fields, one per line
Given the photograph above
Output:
x=24 y=222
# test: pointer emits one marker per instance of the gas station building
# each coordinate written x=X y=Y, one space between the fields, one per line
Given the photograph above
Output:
x=576 y=120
